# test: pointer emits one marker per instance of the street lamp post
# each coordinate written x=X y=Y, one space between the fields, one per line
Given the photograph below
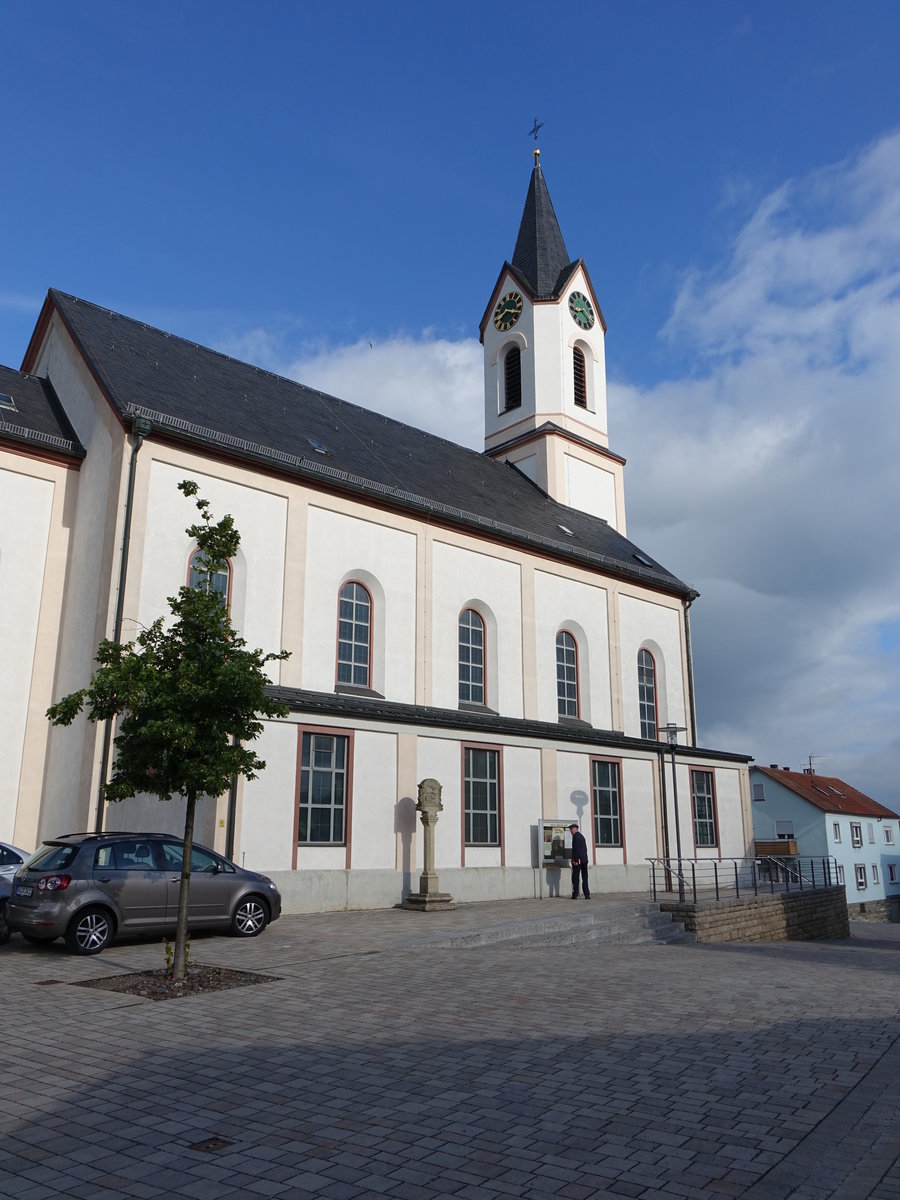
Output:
x=672 y=731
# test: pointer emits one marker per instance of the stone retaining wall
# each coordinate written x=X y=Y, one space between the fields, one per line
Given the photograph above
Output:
x=790 y=916
x=876 y=910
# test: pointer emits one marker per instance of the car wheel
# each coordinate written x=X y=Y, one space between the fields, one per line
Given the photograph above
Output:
x=38 y=941
x=250 y=917
x=4 y=928
x=90 y=931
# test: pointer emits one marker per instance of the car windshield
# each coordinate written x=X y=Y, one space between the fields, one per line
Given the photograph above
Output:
x=52 y=858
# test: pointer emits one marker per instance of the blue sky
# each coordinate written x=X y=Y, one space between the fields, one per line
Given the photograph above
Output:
x=291 y=182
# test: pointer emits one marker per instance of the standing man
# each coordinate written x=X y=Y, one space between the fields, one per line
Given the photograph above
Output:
x=579 y=862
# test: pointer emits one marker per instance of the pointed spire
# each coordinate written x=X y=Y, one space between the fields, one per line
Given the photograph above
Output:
x=540 y=255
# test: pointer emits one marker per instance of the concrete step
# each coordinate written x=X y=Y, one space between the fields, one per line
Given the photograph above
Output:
x=593 y=922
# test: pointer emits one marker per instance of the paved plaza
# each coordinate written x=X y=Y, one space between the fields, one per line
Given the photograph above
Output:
x=381 y=1063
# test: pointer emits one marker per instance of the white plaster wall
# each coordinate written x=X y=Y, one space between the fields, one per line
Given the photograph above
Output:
x=581 y=608
x=646 y=623
x=573 y=789
x=265 y=836
x=521 y=803
x=70 y=780
x=24 y=538
x=374 y=800
x=441 y=759
x=258 y=572
x=460 y=578
x=640 y=809
x=528 y=466
x=341 y=546
x=591 y=489
x=728 y=805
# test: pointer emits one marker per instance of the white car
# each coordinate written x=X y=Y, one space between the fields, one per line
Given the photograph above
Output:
x=11 y=858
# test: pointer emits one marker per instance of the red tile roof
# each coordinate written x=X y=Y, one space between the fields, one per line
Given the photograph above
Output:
x=828 y=793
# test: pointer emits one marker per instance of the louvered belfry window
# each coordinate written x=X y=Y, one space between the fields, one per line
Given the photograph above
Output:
x=580 y=373
x=512 y=379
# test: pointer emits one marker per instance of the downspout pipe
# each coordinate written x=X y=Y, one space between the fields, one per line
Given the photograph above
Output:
x=141 y=427
x=689 y=653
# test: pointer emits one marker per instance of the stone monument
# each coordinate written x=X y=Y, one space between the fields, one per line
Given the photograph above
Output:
x=429 y=897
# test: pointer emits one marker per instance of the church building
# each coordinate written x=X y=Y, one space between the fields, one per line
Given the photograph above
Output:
x=477 y=618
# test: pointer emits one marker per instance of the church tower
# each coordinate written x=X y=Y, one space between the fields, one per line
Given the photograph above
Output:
x=545 y=368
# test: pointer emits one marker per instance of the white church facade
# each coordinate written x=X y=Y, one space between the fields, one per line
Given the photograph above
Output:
x=481 y=619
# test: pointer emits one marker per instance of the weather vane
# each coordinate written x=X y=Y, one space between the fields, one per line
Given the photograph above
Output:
x=533 y=131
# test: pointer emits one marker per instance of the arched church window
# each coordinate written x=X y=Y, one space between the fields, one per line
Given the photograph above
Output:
x=566 y=675
x=647 y=694
x=219 y=581
x=580 y=375
x=354 y=648
x=471 y=658
x=512 y=379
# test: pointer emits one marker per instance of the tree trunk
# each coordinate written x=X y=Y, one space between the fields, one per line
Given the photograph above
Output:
x=181 y=930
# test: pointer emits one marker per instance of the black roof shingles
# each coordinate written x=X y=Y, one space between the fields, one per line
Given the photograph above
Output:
x=201 y=395
x=31 y=415
x=540 y=254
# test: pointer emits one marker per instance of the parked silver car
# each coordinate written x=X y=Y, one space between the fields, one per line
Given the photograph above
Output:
x=89 y=887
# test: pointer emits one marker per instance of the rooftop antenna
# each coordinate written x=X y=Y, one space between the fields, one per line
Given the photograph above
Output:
x=810 y=770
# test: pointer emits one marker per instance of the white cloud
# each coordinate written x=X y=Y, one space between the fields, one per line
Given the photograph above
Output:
x=433 y=384
x=770 y=481
x=767 y=477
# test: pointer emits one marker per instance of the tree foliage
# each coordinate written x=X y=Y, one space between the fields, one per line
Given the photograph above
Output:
x=188 y=694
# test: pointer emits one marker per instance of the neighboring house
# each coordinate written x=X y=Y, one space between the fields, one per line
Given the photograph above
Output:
x=818 y=816
x=478 y=618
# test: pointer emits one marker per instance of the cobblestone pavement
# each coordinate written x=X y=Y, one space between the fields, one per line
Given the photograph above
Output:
x=379 y=1064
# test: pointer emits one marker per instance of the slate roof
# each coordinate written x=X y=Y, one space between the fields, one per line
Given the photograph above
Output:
x=373 y=708
x=31 y=415
x=540 y=255
x=200 y=396
x=827 y=792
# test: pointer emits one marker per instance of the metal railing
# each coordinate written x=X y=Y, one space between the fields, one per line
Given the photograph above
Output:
x=717 y=878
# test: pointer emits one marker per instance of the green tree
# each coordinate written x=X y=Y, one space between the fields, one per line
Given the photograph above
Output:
x=189 y=697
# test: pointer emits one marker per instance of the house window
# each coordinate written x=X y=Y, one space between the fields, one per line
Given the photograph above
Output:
x=892 y=872
x=647 y=693
x=481 y=782
x=836 y=832
x=354 y=635
x=870 y=828
x=840 y=874
x=607 y=803
x=704 y=808
x=323 y=788
x=784 y=830
x=512 y=379
x=757 y=791
x=855 y=834
x=566 y=675
x=861 y=877
x=888 y=835
x=219 y=582
x=580 y=375
x=471 y=658
x=874 y=872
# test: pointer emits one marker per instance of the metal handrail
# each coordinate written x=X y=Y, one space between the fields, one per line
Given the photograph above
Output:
x=720 y=877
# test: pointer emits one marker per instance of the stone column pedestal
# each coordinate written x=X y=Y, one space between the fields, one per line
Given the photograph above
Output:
x=429 y=897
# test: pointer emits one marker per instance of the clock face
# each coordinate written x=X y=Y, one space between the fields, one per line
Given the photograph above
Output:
x=580 y=308
x=508 y=311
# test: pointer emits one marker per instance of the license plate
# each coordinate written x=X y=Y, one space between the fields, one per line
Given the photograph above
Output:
x=23 y=890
